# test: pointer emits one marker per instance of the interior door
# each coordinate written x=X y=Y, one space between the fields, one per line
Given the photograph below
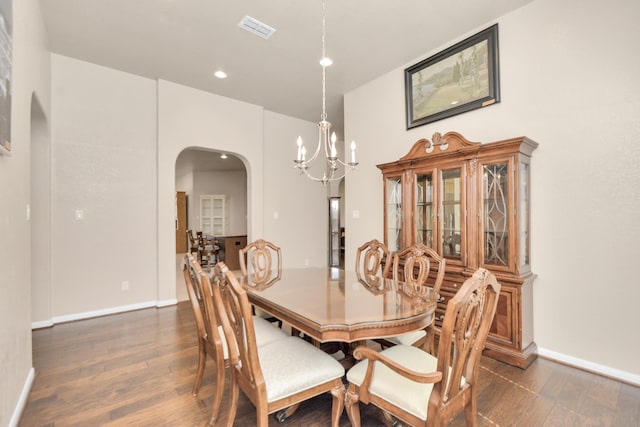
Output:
x=181 y=222
x=334 y=232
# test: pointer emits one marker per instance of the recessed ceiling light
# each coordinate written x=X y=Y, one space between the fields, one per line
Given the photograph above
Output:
x=326 y=61
x=223 y=156
x=220 y=74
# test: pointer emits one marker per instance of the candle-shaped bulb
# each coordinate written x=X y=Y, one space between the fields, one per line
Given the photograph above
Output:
x=303 y=153
x=353 y=151
x=299 y=142
x=333 y=145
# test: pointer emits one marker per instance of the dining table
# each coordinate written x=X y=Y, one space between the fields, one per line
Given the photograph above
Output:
x=336 y=305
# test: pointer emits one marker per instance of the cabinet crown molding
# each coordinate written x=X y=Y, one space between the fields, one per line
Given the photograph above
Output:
x=453 y=142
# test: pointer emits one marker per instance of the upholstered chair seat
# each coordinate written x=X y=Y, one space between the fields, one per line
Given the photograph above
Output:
x=408 y=338
x=397 y=389
x=266 y=333
x=292 y=365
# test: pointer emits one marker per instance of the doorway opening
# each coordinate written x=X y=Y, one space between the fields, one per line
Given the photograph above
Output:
x=204 y=175
x=39 y=214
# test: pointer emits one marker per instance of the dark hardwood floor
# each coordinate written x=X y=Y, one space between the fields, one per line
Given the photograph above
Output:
x=137 y=369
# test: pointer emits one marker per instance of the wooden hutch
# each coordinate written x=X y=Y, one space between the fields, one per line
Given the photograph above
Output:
x=470 y=202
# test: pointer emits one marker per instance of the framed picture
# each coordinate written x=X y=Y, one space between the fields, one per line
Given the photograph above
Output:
x=5 y=75
x=459 y=79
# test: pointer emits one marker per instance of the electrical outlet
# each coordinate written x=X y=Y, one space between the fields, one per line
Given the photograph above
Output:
x=125 y=285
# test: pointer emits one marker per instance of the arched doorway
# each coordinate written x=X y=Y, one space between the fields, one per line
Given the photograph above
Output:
x=40 y=217
x=201 y=172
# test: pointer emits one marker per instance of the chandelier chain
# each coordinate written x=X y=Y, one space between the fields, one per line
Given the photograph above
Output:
x=324 y=55
x=333 y=164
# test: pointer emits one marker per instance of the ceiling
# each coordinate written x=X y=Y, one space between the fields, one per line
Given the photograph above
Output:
x=185 y=41
x=194 y=160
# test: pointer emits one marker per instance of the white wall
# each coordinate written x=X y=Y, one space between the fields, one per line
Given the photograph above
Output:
x=31 y=69
x=104 y=164
x=40 y=212
x=295 y=208
x=569 y=81
x=192 y=118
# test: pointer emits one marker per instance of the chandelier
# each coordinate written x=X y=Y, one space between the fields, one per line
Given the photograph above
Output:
x=328 y=144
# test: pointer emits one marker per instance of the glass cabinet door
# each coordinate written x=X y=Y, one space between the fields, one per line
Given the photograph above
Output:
x=495 y=214
x=523 y=208
x=451 y=218
x=218 y=216
x=424 y=209
x=206 y=215
x=393 y=207
x=213 y=214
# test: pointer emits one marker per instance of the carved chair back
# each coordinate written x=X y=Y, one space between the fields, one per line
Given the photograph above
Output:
x=467 y=320
x=260 y=258
x=193 y=243
x=373 y=259
x=413 y=265
x=210 y=342
x=289 y=376
x=463 y=336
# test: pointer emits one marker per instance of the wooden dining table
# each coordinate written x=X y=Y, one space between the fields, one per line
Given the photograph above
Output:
x=330 y=304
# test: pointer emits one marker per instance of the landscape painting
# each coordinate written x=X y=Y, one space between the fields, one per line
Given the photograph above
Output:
x=6 y=47
x=459 y=79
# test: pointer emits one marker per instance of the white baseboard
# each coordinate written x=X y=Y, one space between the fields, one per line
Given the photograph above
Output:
x=98 y=313
x=103 y=312
x=42 y=324
x=167 y=302
x=596 y=368
x=22 y=401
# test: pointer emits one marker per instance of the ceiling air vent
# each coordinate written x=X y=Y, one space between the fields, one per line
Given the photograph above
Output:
x=256 y=27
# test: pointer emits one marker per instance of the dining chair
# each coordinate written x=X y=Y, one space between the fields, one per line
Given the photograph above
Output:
x=373 y=259
x=261 y=259
x=275 y=376
x=418 y=265
x=208 y=249
x=194 y=245
x=211 y=340
x=418 y=388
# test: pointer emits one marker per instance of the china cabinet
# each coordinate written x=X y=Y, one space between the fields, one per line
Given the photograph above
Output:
x=470 y=202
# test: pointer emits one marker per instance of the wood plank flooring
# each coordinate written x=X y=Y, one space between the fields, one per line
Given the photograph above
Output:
x=137 y=369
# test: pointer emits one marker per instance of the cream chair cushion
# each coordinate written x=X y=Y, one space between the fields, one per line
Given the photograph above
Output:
x=409 y=338
x=266 y=333
x=292 y=365
x=402 y=392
